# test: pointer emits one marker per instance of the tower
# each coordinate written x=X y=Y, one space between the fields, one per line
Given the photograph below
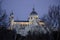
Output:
x=33 y=17
x=11 y=20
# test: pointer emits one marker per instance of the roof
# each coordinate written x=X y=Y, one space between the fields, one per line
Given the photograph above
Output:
x=24 y=21
x=41 y=21
x=20 y=21
x=11 y=14
x=33 y=12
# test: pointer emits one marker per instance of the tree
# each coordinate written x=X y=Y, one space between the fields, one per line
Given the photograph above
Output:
x=3 y=16
x=52 y=19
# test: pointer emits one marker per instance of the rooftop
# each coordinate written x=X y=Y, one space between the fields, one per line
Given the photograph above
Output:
x=33 y=12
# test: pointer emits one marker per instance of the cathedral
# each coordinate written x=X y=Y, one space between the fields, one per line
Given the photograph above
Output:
x=32 y=20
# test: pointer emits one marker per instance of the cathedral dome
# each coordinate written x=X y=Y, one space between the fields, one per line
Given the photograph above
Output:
x=33 y=12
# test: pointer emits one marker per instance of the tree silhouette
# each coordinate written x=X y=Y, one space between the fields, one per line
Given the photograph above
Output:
x=52 y=19
x=3 y=16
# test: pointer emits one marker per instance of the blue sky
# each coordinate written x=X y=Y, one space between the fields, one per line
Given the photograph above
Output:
x=23 y=8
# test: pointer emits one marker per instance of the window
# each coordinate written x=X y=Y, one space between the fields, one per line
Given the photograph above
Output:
x=31 y=17
x=42 y=25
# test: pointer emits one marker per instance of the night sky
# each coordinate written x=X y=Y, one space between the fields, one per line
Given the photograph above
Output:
x=23 y=8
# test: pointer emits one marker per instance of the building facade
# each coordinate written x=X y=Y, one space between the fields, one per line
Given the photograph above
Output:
x=32 y=20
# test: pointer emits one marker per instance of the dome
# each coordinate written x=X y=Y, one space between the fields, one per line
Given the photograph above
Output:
x=33 y=12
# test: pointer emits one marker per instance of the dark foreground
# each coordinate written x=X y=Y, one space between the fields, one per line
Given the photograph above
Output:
x=11 y=35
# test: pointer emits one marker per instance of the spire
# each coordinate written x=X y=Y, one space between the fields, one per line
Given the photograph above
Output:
x=33 y=12
x=33 y=8
x=11 y=13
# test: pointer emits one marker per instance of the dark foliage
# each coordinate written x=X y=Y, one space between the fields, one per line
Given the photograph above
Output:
x=3 y=16
x=11 y=35
x=53 y=36
x=7 y=34
x=52 y=19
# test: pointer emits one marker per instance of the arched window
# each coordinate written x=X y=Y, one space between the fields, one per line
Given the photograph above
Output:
x=31 y=17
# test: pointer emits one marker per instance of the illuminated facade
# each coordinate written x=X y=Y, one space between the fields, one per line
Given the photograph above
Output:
x=32 y=20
